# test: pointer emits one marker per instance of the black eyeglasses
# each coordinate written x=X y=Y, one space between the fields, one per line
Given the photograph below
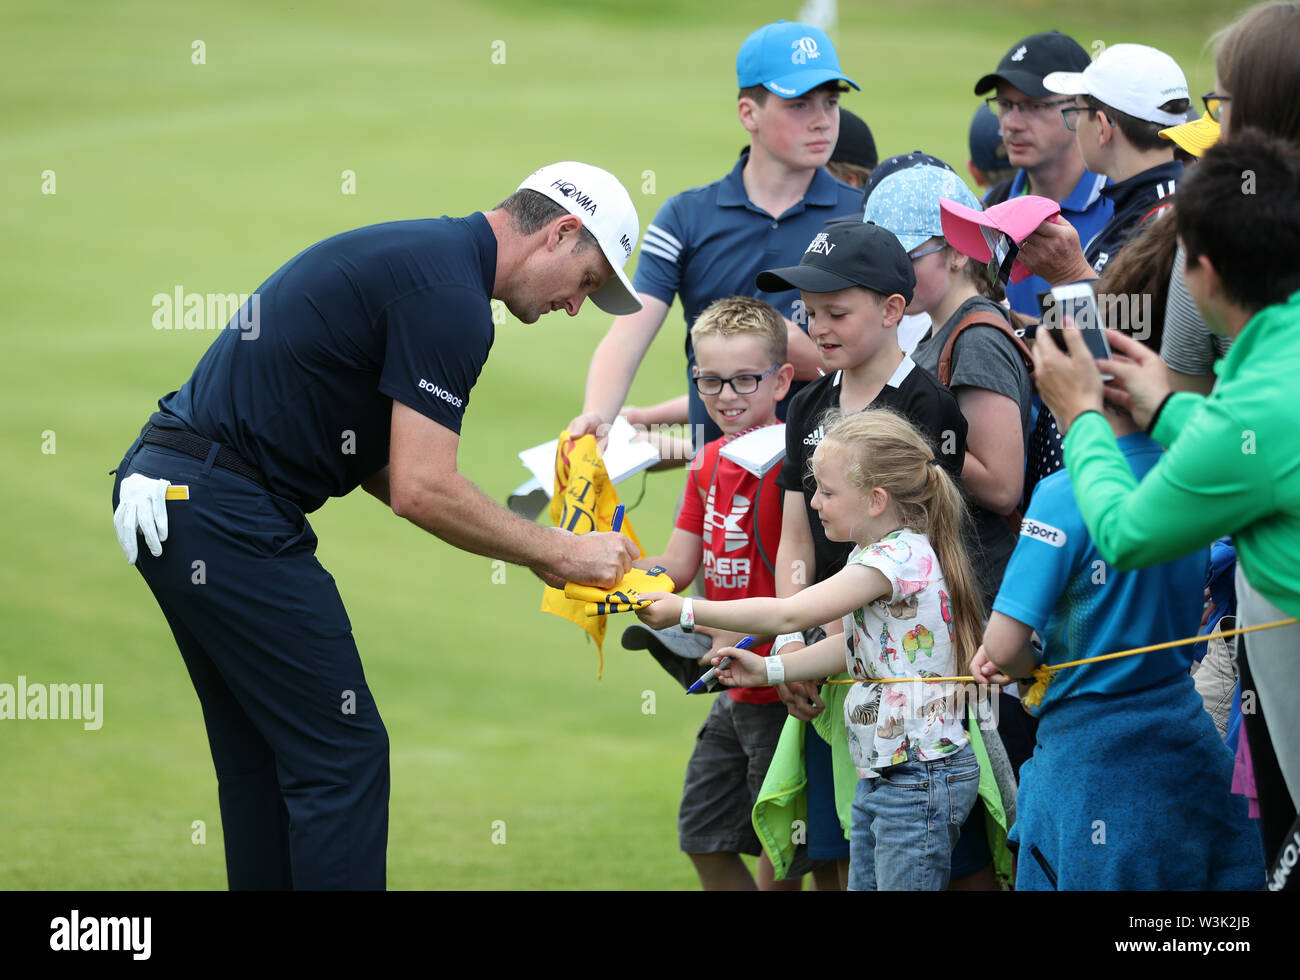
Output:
x=741 y=384
x=1214 y=104
x=1005 y=107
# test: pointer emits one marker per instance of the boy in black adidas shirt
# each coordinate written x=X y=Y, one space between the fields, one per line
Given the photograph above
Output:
x=855 y=280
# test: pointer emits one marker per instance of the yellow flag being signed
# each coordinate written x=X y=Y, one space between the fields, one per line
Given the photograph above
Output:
x=583 y=501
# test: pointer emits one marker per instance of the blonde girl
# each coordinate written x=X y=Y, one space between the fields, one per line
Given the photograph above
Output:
x=912 y=609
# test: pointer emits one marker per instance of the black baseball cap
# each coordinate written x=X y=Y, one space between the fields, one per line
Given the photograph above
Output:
x=844 y=255
x=901 y=162
x=1032 y=58
x=856 y=144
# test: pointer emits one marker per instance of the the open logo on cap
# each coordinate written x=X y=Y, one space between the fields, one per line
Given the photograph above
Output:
x=820 y=245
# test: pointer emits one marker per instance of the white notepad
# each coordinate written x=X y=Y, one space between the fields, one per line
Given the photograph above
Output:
x=758 y=451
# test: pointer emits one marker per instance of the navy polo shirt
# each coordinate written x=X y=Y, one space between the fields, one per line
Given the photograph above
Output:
x=712 y=241
x=1085 y=207
x=1133 y=202
x=304 y=388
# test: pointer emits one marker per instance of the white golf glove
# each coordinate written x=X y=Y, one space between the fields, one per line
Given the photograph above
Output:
x=141 y=509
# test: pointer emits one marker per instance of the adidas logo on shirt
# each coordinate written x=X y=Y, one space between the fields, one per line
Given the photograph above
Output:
x=815 y=437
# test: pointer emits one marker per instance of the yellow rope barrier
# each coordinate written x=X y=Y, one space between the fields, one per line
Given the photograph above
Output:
x=1043 y=675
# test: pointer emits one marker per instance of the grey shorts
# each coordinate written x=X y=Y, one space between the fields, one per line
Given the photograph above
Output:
x=732 y=752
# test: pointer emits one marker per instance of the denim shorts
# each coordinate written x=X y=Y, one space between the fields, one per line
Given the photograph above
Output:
x=906 y=822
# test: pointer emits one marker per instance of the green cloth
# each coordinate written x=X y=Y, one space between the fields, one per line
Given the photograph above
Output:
x=995 y=812
x=783 y=799
x=830 y=726
x=1232 y=467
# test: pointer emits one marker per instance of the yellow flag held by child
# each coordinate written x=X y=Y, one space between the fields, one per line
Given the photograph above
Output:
x=584 y=500
x=625 y=596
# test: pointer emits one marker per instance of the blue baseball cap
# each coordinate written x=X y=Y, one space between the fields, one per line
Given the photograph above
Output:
x=788 y=59
x=907 y=203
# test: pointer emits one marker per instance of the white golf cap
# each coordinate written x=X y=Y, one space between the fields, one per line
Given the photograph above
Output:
x=606 y=210
x=1132 y=78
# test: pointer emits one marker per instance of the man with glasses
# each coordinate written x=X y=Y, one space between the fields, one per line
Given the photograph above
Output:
x=1039 y=145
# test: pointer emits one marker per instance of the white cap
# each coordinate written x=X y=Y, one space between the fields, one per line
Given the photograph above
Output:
x=1132 y=78
x=606 y=210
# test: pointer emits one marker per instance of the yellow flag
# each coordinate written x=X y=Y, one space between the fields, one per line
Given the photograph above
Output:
x=625 y=596
x=583 y=501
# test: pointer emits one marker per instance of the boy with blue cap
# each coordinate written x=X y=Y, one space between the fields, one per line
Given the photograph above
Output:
x=711 y=242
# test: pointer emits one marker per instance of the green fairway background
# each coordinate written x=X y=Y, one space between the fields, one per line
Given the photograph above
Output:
x=209 y=177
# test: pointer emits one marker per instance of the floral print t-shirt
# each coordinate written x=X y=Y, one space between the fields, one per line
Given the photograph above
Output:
x=906 y=634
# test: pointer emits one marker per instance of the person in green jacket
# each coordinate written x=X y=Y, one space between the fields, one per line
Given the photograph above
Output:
x=1233 y=460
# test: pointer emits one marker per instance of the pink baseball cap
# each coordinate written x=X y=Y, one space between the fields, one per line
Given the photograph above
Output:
x=973 y=232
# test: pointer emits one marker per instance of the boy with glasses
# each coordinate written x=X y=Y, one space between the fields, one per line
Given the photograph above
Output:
x=730 y=521
x=1040 y=146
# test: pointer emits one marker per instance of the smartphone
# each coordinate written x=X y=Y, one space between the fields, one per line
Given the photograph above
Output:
x=1077 y=301
x=1002 y=256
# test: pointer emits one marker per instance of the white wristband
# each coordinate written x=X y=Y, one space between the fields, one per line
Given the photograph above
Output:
x=775 y=669
x=782 y=640
x=687 y=621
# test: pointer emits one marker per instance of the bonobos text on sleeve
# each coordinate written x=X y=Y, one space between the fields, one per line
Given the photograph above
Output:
x=438 y=341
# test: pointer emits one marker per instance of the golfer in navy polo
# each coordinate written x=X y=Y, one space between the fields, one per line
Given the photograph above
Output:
x=351 y=366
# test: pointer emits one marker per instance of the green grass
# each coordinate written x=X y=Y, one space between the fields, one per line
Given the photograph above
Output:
x=210 y=176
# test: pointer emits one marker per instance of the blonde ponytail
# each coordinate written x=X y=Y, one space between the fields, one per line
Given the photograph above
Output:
x=885 y=450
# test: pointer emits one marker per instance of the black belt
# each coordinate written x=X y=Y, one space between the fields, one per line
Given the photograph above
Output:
x=198 y=447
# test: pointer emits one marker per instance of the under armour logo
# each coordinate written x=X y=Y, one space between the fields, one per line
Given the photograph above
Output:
x=734 y=536
x=1020 y=53
x=805 y=49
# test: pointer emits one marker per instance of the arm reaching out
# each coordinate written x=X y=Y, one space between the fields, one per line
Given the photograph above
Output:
x=426 y=488
x=1005 y=648
x=850 y=588
x=750 y=670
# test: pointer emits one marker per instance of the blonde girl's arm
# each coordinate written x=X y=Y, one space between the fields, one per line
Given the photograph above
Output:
x=848 y=589
x=811 y=663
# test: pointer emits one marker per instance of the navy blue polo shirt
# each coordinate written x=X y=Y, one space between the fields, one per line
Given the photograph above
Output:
x=1085 y=207
x=304 y=388
x=712 y=241
x=1133 y=202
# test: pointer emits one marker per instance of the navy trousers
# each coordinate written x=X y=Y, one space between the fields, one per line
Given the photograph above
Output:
x=300 y=751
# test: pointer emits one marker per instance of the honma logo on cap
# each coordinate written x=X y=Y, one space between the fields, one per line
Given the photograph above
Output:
x=805 y=49
x=569 y=190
